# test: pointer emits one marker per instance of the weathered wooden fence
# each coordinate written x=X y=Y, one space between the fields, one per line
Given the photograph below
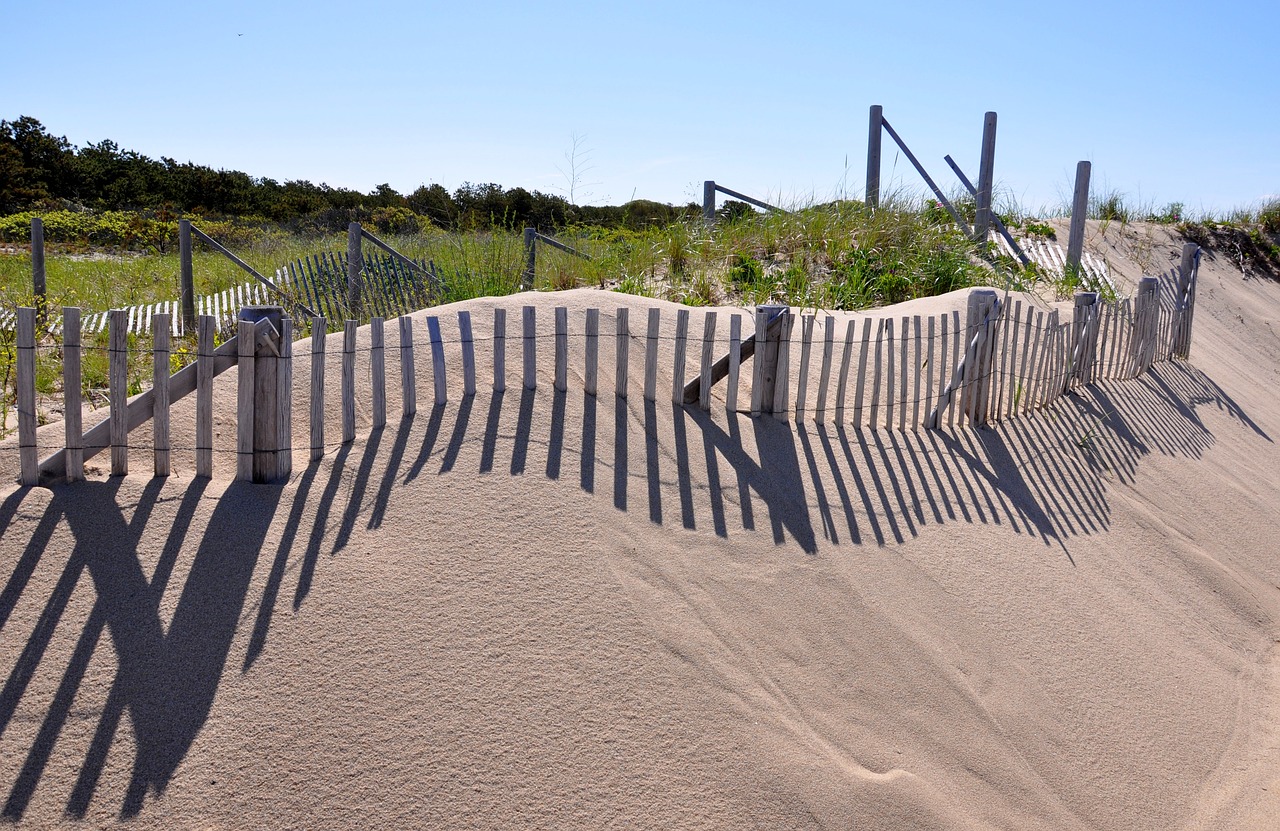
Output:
x=1000 y=361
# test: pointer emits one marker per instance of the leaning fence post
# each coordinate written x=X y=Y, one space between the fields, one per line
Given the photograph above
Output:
x=709 y=201
x=975 y=375
x=26 y=381
x=874 y=134
x=355 y=262
x=37 y=266
x=1079 y=212
x=186 y=278
x=1184 y=303
x=530 y=258
x=986 y=176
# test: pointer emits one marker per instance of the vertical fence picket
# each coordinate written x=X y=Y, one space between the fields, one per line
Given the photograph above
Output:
x=1009 y=363
x=530 y=347
x=245 y=370
x=26 y=397
x=71 y=376
x=928 y=368
x=408 y=383
x=590 y=379
x=846 y=358
x=318 y=332
x=782 y=374
x=622 y=351
x=906 y=341
x=562 y=349
x=349 y=381
x=468 y=354
x=802 y=381
x=284 y=399
x=651 y=355
x=876 y=366
x=378 y=370
x=205 y=326
x=118 y=382
x=682 y=337
x=499 y=350
x=757 y=369
x=958 y=335
x=735 y=360
x=437 y=361
x=890 y=375
x=160 y=372
x=918 y=367
x=860 y=390
x=824 y=375
x=943 y=367
x=708 y=359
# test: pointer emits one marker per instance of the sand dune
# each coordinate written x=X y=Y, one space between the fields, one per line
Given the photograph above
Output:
x=565 y=611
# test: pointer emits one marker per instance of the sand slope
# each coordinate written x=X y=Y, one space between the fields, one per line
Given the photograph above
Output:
x=545 y=611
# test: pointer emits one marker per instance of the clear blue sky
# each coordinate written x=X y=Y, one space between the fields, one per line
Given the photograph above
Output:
x=1179 y=104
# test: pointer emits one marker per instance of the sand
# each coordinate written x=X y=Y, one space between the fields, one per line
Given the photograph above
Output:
x=545 y=611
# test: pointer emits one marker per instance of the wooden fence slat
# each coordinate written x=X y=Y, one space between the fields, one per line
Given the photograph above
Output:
x=782 y=374
x=859 y=391
x=735 y=361
x=499 y=350
x=408 y=383
x=246 y=368
x=160 y=373
x=590 y=381
x=530 y=332
x=757 y=368
x=906 y=342
x=284 y=400
x=708 y=359
x=824 y=375
x=71 y=377
x=1023 y=391
x=205 y=327
x=29 y=460
x=890 y=375
x=682 y=337
x=1031 y=359
x=842 y=385
x=349 y=381
x=468 y=354
x=1009 y=362
x=651 y=356
x=928 y=369
x=317 y=387
x=918 y=367
x=957 y=336
x=802 y=381
x=118 y=383
x=562 y=349
x=378 y=369
x=437 y=361
x=622 y=351
x=875 y=373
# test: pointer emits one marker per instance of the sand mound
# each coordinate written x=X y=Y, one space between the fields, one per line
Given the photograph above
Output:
x=551 y=611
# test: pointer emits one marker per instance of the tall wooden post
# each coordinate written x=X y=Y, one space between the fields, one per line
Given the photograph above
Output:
x=709 y=201
x=530 y=258
x=37 y=266
x=874 y=133
x=263 y=397
x=986 y=178
x=1185 y=302
x=186 y=280
x=355 y=262
x=979 y=358
x=767 y=355
x=1079 y=212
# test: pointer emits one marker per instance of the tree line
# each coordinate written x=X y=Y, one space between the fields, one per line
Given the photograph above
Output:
x=40 y=171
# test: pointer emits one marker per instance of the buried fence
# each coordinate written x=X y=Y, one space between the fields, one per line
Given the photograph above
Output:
x=1001 y=361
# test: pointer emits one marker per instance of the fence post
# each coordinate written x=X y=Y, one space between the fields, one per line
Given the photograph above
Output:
x=1185 y=302
x=160 y=372
x=37 y=266
x=355 y=261
x=874 y=134
x=530 y=258
x=1079 y=212
x=1083 y=332
x=71 y=376
x=261 y=394
x=1144 y=317
x=768 y=356
x=118 y=389
x=26 y=396
x=186 y=278
x=977 y=371
x=709 y=201
x=986 y=177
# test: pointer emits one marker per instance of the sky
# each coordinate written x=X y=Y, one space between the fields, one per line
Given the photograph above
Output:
x=767 y=98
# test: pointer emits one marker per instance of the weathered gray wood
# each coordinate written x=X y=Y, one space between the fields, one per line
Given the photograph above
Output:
x=216 y=246
x=244 y=403
x=408 y=383
x=903 y=370
x=842 y=385
x=530 y=333
x=928 y=180
x=735 y=362
x=860 y=390
x=349 y=381
x=38 y=282
x=999 y=391
x=1009 y=361
x=1184 y=303
x=590 y=380
x=875 y=373
x=802 y=381
x=890 y=374
x=205 y=356
x=750 y=200
x=622 y=351
x=919 y=369
x=468 y=354
x=757 y=368
x=355 y=264
x=378 y=370
x=71 y=377
x=874 y=135
x=1108 y=311
x=29 y=461
x=1079 y=212
x=1032 y=383
x=1024 y=382
x=968 y=378
x=317 y=387
x=284 y=403
x=160 y=384
x=709 y=201
x=824 y=374
x=986 y=173
x=531 y=259
x=118 y=383
x=499 y=350
x=958 y=336
x=943 y=368
x=782 y=370
x=682 y=338
x=437 y=361
x=186 y=278
x=929 y=367
x=562 y=349
x=651 y=356
x=708 y=358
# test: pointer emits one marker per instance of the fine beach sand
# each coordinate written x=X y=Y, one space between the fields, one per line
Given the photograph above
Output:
x=533 y=610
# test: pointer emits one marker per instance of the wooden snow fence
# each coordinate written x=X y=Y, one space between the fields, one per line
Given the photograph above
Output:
x=1002 y=360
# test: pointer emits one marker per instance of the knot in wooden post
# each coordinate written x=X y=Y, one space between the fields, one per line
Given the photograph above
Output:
x=264 y=445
